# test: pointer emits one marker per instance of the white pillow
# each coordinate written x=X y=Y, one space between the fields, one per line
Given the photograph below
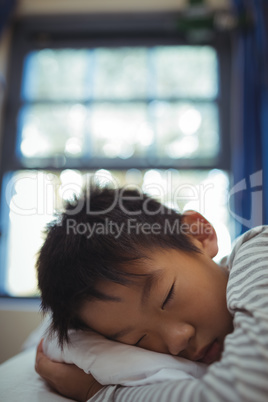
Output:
x=112 y=362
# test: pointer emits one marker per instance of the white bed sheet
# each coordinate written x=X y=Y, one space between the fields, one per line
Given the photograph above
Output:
x=20 y=382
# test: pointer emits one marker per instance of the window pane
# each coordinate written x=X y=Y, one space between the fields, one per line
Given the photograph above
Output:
x=120 y=130
x=58 y=74
x=189 y=71
x=33 y=197
x=48 y=130
x=187 y=130
x=31 y=207
x=120 y=73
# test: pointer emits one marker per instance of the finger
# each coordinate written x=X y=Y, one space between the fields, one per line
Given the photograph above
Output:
x=45 y=367
x=40 y=346
x=43 y=364
x=39 y=352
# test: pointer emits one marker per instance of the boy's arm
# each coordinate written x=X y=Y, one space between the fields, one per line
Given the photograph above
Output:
x=66 y=379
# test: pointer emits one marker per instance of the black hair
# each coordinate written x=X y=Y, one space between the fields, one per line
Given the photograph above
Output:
x=83 y=248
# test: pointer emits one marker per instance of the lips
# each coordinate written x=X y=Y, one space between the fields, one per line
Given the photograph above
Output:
x=210 y=353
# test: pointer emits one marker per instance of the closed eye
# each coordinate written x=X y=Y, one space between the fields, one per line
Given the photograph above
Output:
x=169 y=297
x=137 y=343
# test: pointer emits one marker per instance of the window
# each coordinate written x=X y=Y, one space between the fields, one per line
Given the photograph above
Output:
x=138 y=108
x=131 y=103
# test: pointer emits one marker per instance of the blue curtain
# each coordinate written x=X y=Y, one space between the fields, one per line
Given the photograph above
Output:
x=6 y=7
x=249 y=195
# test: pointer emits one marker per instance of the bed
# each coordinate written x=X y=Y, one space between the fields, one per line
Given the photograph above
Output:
x=18 y=379
x=20 y=382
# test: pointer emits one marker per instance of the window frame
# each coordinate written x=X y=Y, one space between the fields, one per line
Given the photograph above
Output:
x=35 y=33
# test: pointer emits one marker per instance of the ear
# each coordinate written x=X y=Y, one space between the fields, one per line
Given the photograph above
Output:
x=202 y=232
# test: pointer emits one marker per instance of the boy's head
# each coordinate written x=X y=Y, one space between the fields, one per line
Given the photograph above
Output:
x=110 y=241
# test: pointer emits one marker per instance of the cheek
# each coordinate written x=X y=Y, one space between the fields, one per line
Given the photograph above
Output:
x=196 y=304
x=102 y=317
x=111 y=320
x=114 y=317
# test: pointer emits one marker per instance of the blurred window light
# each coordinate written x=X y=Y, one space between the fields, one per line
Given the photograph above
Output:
x=190 y=121
x=203 y=191
x=120 y=103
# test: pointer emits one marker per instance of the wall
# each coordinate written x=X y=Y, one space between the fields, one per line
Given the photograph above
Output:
x=15 y=328
x=27 y=7
x=16 y=324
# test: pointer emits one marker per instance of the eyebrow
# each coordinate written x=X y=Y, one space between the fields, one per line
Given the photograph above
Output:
x=149 y=283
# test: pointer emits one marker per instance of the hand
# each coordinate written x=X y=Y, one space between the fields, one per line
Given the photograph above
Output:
x=67 y=379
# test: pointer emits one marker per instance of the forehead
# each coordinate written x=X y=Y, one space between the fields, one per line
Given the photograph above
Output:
x=144 y=275
x=153 y=272
x=143 y=280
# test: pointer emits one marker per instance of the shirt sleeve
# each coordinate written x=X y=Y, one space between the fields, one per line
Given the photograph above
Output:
x=242 y=373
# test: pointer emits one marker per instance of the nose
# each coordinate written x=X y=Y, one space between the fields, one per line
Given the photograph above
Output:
x=177 y=338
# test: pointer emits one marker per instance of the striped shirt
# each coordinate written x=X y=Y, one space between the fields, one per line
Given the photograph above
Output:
x=242 y=373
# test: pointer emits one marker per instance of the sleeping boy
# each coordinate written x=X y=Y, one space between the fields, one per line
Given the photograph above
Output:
x=122 y=264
